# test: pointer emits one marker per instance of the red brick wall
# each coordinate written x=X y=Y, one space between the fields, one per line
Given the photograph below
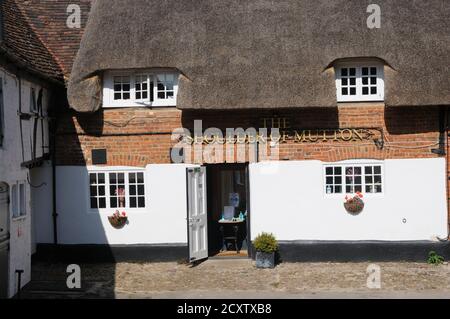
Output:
x=408 y=132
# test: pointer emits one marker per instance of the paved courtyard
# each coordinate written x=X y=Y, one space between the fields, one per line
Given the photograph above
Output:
x=240 y=279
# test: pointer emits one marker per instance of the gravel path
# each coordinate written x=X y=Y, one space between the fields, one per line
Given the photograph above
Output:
x=218 y=278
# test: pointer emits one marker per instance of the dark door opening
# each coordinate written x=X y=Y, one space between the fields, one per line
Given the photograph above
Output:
x=228 y=210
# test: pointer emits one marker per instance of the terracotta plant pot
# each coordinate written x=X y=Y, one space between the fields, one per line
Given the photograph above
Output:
x=118 y=222
x=354 y=205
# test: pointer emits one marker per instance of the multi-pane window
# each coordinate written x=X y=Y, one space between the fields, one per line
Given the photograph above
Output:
x=128 y=90
x=373 y=179
x=142 y=87
x=333 y=179
x=136 y=190
x=117 y=190
x=97 y=183
x=365 y=178
x=353 y=179
x=369 y=80
x=166 y=84
x=348 y=81
x=360 y=83
x=122 y=88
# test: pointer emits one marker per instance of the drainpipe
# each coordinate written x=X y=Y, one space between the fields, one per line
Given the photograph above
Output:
x=53 y=157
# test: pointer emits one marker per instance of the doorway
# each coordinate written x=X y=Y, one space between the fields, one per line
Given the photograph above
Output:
x=4 y=240
x=228 y=210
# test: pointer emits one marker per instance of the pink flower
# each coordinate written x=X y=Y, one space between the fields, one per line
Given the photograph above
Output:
x=124 y=214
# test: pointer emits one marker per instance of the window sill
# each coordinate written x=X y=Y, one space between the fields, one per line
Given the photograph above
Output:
x=135 y=105
x=110 y=211
x=18 y=219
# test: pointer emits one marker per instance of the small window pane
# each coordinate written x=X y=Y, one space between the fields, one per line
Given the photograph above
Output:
x=329 y=170
x=93 y=190
x=377 y=169
x=365 y=71
x=373 y=81
x=352 y=81
x=373 y=71
x=141 y=202
x=133 y=203
x=344 y=72
x=140 y=177
x=338 y=189
x=93 y=179
x=338 y=180
x=141 y=190
x=133 y=190
x=94 y=202
x=352 y=91
x=365 y=90
x=368 y=169
x=102 y=203
x=352 y=71
x=344 y=81
x=337 y=170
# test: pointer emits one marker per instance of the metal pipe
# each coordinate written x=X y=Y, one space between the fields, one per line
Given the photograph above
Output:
x=19 y=273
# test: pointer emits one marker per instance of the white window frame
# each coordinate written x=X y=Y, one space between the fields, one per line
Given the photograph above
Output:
x=108 y=89
x=108 y=209
x=359 y=97
x=345 y=164
x=18 y=197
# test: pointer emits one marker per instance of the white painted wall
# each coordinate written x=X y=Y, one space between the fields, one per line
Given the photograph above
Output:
x=11 y=171
x=162 y=221
x=287 y=199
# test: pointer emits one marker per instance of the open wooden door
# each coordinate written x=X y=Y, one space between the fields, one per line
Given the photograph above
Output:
x=197 y=216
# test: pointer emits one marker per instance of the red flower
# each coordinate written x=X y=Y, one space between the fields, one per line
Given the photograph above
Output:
x=124 y=214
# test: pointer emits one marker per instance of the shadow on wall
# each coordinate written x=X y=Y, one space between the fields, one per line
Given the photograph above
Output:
x=299 y=118
x=411 y=120
x=75 y=220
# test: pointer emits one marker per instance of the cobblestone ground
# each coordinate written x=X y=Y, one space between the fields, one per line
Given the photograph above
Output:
x=213 y=277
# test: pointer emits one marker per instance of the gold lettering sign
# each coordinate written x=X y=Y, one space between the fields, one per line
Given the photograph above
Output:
x=297 y=136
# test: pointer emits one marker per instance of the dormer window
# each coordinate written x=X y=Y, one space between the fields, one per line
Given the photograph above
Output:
x=359 y=82
x=140 y=89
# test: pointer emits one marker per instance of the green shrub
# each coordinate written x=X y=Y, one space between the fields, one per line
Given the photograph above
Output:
x=265 y=243
x=434 y=258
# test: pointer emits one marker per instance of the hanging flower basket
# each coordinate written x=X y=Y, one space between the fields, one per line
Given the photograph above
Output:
x=118 y=220
x=354 y=205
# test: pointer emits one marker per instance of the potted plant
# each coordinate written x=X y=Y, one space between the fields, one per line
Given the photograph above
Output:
x=266 y=246
x=118 y=220
x=354 y=204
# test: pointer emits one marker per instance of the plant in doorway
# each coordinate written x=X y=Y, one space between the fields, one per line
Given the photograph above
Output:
x=118 y=220
x=266 y=246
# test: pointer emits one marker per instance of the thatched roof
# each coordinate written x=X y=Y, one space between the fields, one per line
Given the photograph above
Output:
x=264 y=53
